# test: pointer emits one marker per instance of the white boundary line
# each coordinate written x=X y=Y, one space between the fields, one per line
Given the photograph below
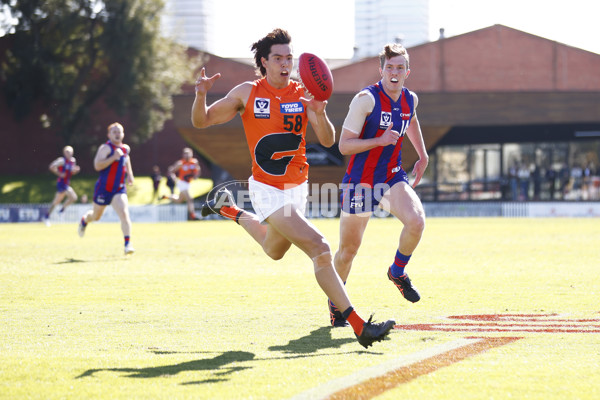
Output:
x=327 y=389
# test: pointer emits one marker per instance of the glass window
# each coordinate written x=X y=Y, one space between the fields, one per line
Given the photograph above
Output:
x=514 y=172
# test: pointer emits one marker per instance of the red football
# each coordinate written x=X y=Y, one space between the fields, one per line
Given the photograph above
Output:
x=315 y=76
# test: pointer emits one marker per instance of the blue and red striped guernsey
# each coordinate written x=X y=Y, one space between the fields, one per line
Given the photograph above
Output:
x=112 y=178
x=67 y=168
x=379 y=164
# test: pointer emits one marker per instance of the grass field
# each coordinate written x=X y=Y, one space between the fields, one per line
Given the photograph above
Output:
x=199 y=312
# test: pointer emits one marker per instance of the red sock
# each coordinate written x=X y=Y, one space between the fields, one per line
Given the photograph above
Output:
x=233 y=212
x=355 y=320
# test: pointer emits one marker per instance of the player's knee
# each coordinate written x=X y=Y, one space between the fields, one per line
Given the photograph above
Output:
x=348 y=251
x=416 y=223
x=320 y=246
x=323 y=260
x=275 y=254
x=276 y=250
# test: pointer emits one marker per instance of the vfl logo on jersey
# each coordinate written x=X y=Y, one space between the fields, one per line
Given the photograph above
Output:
x=262 y=108
x=292 y=108
x=386 y=120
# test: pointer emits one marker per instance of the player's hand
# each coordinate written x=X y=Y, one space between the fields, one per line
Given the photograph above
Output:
x=419 y=170
x=118 y=154
x=389 y=136
x=316 y=106
x=203 y=83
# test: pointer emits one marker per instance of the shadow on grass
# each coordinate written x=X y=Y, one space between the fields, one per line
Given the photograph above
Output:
x=216 y=364
x=76 y=260
x=71 y=261
x=318 y=339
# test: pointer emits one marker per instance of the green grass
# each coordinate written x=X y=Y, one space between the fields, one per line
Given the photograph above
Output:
x=199 y=312
x=41 y=189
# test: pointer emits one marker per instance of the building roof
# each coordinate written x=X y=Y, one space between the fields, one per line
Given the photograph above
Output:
x=492 y=59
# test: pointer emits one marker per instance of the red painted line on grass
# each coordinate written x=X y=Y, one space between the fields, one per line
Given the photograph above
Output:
x=522 y=318
x=541 y=323
x=378 y=385
x=496 y=328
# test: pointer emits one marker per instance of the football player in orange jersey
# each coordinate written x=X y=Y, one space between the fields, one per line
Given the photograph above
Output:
x=275 y=112
x=186 y=170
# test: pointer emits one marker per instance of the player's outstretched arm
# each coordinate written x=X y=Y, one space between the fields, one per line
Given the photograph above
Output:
x=222 y=110
x=320 y=122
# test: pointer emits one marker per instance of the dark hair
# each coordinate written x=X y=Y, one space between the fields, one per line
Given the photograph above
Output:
x=262 y=48
x=392 y=50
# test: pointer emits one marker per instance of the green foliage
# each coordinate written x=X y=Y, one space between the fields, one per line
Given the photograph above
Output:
x=40 y=189
x=74 y=55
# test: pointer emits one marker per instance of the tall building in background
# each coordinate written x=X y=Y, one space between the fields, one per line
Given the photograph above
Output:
x=378 y=22
x=191 y=22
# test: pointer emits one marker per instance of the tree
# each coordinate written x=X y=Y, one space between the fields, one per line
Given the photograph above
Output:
x=74 y=56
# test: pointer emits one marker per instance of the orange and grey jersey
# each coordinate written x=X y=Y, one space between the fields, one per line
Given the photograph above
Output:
x=188 y=169
x=275 y=122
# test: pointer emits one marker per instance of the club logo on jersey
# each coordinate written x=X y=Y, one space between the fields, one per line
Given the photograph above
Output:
x=386 y=120
x=262 y=108
x=292 y=108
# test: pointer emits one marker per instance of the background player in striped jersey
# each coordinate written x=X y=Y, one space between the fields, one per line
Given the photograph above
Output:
x=186 y=169
x=378 y=119
x=63 y=167
x=275 y=114
x=114 y=164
